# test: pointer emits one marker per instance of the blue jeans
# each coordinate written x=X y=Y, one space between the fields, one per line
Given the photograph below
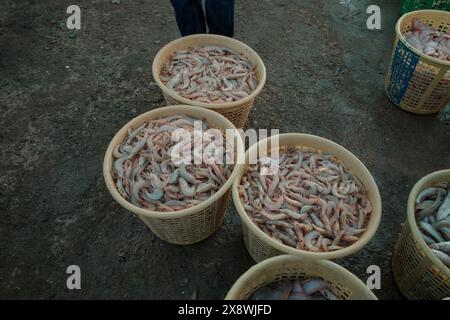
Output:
x=219 y=15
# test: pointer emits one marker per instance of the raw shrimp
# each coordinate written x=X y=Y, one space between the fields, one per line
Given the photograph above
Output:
x=317 y=204
x=209 y=74
x=145 y=174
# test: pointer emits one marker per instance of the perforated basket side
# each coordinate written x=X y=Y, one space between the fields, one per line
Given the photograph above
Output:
x=190 y=229
x=238 y=115
x=258 y=248
x=415 y=273
x=343 y=283
x=418 y=273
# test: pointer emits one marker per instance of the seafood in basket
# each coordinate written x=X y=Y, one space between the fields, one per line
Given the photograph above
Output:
x=432 y=210
x=209 y=74
x=428 y=40
x=146 y=172
x=300 y=289
x=311 y=203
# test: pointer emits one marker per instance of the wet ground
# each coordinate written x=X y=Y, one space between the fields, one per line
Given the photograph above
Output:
x=65 y=93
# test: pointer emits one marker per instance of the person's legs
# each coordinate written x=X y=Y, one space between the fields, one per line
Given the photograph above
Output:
x=220 y=17
x=189 y=15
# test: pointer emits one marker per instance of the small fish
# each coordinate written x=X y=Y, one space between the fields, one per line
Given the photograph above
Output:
x=275 y=291
x=432 y=210
x=444 y=210
x=445 y=258
x=431 y=231
x=427 y=211
x=427 y=193
x=299 y=289
x=314 y=285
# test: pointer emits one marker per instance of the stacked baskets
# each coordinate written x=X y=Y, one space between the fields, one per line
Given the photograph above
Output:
x=237 y=112
x=416 y=82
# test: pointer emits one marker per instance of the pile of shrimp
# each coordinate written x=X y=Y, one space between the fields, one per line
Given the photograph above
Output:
x=300 y=289
x=428 y=40
x=432 y=210
x=145 y=174
x=313 y=203
x=209 y=74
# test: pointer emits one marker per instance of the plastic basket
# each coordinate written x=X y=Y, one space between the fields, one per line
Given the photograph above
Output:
x=416 y=82
x=237 y=112
x=343 y=283
x=418 y=272
x=260 y=246
x=193 y=224
x=413 y=5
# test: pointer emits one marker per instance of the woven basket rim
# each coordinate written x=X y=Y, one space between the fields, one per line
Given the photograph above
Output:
x=374 y=220
x=205 y=39
x=428 y=180
x=261 y=267
x=435 y=61
x=161 y=112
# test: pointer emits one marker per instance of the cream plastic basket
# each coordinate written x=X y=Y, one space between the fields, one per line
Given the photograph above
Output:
x=260 y=246
x=193 y=224
x=237 y=112
x=343 y=283
x=416 y=82
x=418 y=272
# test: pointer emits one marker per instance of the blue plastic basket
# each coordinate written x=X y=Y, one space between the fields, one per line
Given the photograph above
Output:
x=416 y=82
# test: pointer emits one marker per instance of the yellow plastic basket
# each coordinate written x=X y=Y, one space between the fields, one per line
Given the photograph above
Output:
x=418 y=272
x=260 y=246
x=343 y=283
x=237 y=112
x=416 y=82
x=194 y=224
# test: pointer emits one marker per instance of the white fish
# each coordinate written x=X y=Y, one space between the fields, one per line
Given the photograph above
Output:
x=428 y=40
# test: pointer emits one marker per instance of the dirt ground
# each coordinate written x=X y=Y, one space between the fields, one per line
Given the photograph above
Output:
x=64 y=94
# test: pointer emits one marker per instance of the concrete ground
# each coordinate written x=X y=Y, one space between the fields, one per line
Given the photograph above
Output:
x=64 y=94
